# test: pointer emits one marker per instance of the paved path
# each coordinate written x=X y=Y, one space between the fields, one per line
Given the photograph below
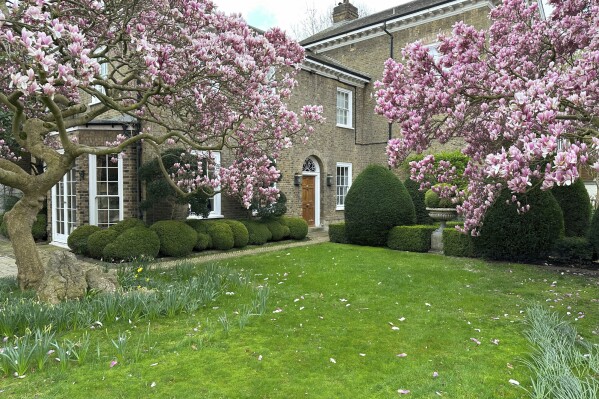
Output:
x=8 y=267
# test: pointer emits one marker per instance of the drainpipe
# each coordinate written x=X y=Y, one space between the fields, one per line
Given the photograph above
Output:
x=390 y=56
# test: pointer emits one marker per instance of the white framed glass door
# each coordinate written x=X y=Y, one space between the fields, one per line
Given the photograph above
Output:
x=105 y=190
x=64 y=207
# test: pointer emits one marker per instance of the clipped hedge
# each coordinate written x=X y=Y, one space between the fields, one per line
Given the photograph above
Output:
x=277 y=230
x=199 y=225
x=298 y=227
x=77 y=240
x=456 y=243
x=97 y=241
x=204 y=242
x=573 y=249
x=337 y=233
x=133 y=243
x=507 y=235
x=258 y=233
x=221 y=235
x=240 y=232
x=411 y=238
x=127 y=224
x=593 y=234
x=417 y=196
x=576 y=206
x=376 y=202
x=177 y=239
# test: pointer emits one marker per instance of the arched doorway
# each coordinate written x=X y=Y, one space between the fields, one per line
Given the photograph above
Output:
x=311 y=191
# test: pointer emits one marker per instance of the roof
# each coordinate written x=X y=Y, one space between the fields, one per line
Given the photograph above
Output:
x=374 y=19
x=330 y=62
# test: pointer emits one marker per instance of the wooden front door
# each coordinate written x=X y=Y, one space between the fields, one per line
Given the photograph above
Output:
x=308 y=196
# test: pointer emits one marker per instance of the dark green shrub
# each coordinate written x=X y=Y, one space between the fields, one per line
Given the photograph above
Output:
x=127 y=224
x=593 y=234
x=204 y=242
x=10 y=201
x=418 y=201
x=39 y=230
x=274 y=210
x=376 y=202
x=456 y=243
x=4 y=229
x=286 y=231
x=200 y=225
x=431 y=199
x=240 y=233
x=337 y=233
x=576 y=207
x=276 y=229
x=133 y=243
x=573 y=249
x=176 y=238
x=411 y=238
x=77 y=240
x=97 y=241
x=507 y=235
x=298 y=227
x=258 y=233
x=221 y=235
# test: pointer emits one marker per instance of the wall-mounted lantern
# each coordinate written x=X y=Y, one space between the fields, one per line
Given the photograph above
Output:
x=329 y=179
x=297 y=179
x=81 y=175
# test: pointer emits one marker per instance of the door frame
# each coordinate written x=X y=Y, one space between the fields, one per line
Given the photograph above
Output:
x=316 y=175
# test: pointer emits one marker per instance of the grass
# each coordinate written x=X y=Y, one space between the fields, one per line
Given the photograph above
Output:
x=335 y=319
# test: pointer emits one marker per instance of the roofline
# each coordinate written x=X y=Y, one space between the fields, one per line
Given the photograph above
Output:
x=393 y=20
x=339 y=68
x=332 y=71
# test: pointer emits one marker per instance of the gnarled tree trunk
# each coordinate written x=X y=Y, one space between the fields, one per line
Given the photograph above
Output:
x=20 y=220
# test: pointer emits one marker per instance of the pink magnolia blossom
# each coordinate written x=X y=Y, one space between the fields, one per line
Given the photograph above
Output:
x=523 y=96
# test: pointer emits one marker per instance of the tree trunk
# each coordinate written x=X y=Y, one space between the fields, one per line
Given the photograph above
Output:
x=19 y=221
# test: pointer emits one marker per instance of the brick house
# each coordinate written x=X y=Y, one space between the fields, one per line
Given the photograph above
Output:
x=341 y=65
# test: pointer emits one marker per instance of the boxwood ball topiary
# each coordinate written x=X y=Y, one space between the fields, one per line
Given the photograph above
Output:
x=127 y=224
x=240 y=232
x=276 y=229
x=204 y=242
x=134 y=243
x=376 y=202
x=176 y=238
x=417 y=196
x=259 y=234
x=77 y=240
x=337 y=233
x=98 y=241
x=221 y=235
x=507 y=235
x=298 y=227
x=576 y=207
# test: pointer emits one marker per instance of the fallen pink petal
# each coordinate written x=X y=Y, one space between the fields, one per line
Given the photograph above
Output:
x=403 y=391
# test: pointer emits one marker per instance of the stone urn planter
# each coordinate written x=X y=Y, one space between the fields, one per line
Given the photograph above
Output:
x=441 y=215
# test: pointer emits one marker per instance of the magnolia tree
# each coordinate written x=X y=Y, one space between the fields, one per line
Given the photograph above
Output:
x=523 y=96
x=188 y=73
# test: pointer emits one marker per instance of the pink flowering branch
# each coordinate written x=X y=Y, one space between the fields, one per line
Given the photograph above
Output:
x=522 y=95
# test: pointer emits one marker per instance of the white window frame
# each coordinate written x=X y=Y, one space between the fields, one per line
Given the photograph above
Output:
x=100 y=88
x=93 y=189
x=216 y=212
x=348 y=166
x=349 y=122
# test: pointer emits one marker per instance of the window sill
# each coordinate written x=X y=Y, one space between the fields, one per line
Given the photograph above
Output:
x=340 y=208
x=346 y=127
x=206 y=218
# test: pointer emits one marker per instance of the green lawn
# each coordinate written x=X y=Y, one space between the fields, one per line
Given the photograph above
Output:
x=337 y=318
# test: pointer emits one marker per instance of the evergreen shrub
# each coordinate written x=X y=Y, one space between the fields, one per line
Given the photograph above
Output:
x=39 y=228
x=221 y=235
x=415 y=238
x=258 y=233
x=507 y=235
x=276 y=229
x=458 y=244
x=376 y=202
x=97 y=241
x=417 y=196
x=240 y=232
x=204 y=242
x=133 y=243
x=177 y=239
x=127 y=224
x=576 y=206
x=573 y=249
x=298 y=227
x=593 y=234
x=337 y=233
x=77 y=240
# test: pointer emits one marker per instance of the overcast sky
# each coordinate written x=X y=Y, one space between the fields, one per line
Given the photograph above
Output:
x=266 y=14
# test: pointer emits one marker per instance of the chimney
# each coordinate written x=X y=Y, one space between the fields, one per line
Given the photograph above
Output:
x=345 y=11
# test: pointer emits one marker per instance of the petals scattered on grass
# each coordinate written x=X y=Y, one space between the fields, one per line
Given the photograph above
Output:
x=476 y=341
x=113 y=363
x=403 y=391
x=402 y=355
x=514 y=382
x=435 y=374
x=333 y=360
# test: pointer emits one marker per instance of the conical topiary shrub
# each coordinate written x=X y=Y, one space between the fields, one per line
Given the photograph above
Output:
x=576 y=207
x=417 y=196
x=376 y=202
